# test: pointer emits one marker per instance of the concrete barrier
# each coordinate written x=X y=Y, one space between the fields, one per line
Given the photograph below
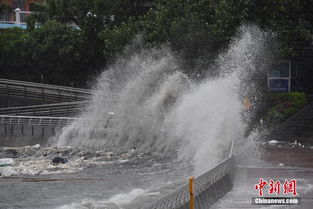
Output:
x=30 y=130
x=26 y=135
x=21 y=141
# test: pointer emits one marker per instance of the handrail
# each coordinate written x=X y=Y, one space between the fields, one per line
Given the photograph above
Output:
x=26 y=12
x=44 y=105
x=44 y=93
x=36 y=120
x=231 y=152
x=42 y=120
x=56 y=109
x=45 y=86
x=180 y=197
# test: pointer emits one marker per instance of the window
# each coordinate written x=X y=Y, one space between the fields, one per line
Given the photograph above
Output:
x=279 y=78
x=280 y=70
x=19 y=4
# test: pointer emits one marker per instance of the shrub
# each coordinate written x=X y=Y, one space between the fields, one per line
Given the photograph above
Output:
x=280 y=106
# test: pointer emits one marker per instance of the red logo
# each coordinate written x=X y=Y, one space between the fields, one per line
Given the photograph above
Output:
x=260 y=186
x=290 y=187
x=274 y=187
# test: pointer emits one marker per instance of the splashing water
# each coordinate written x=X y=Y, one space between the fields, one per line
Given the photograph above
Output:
x=115 y=202
x=140 y=91
x=157 y=109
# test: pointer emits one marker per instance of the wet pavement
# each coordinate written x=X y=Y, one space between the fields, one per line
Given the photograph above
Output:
x=277 y=162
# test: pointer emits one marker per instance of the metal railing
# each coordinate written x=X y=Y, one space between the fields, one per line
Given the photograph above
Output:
x=205 y=190
x=34 y=126
x=30 y=127
x=64 y=109
x=41 y=92
x=35 y=120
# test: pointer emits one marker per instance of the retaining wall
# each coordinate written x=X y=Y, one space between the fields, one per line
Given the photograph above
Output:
x=26 y=135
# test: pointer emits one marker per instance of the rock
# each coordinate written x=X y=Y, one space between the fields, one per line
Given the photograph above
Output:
x=36 y=146
x=58 y=160
x=9 y=153
x=7 y=171
x=12 y=151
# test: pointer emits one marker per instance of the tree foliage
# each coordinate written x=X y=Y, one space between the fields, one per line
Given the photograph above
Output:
x=117 y=37
x=55 y=51
x=12 y=51
x=80 y=37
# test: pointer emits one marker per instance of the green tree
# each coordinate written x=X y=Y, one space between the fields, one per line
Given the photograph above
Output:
x=117 y=37
x=82 y=36
x=290 y=20
x=4 y=8
x=13 y=54
x=55 y=53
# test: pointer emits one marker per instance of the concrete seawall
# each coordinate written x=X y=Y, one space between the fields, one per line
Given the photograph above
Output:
x=26 y=135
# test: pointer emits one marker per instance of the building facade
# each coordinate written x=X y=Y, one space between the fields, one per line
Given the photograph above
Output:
x=23 y=5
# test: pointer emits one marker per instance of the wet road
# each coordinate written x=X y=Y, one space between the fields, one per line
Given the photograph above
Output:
x=277 y=163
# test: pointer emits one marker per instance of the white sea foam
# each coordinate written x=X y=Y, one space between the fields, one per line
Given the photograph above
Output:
x=118 y=201
x=126 y=198
x=33 y=160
